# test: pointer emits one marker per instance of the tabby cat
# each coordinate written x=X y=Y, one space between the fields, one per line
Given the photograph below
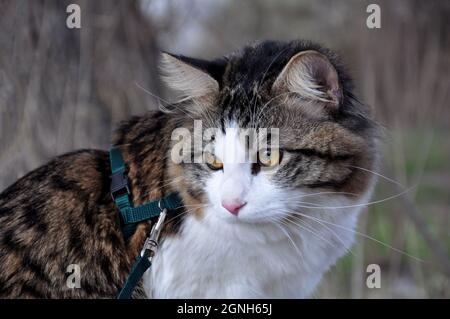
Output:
x=265 y=228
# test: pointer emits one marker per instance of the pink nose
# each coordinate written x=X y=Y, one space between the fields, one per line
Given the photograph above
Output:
x=233 y=206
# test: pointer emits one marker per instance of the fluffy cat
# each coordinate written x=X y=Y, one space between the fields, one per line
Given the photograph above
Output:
x=248 y=229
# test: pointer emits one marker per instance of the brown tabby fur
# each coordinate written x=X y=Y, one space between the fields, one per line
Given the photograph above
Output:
x=62 y=214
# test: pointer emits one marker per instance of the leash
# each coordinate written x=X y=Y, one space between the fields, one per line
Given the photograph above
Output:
x=131 y=216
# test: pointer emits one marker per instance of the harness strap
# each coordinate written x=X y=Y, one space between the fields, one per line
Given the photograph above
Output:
x=120 y=193
x=151 y=209
x=131 y=216
x=139 y=268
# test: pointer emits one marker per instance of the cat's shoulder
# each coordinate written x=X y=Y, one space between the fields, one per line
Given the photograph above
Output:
x=82 y=171
x=137 y=128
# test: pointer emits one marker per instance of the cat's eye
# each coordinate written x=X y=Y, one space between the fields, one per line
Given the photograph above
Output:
x=269 y=157
x=212 y=161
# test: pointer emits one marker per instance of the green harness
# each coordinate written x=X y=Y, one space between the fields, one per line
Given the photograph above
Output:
x=131 y=216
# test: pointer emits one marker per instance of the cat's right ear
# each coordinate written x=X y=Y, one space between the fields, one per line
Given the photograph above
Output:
x=189 y=77
x=312 y=76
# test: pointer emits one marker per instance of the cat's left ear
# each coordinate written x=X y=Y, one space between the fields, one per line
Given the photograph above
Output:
x=192 y=78
x=311 y=75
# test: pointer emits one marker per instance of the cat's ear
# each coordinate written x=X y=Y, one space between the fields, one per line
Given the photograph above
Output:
x=188 y=76
x=312 y=76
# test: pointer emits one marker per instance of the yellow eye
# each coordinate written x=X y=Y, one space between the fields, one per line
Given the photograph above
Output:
x=269 y=157
x=212 y=161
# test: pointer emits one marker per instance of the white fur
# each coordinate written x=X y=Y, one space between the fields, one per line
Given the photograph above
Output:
x=220 y=255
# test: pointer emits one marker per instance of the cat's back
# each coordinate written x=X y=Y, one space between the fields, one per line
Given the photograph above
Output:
x=58 y=215
x=65 y=171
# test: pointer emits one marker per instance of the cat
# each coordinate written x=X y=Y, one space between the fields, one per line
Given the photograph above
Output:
x=268 y=228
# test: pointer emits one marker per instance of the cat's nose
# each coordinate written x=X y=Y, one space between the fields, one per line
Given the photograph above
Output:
x=233 y=206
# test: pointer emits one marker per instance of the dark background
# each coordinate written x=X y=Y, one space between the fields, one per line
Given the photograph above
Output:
x=63 y=89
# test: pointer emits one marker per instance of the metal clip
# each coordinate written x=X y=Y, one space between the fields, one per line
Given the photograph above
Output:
x=151 y=243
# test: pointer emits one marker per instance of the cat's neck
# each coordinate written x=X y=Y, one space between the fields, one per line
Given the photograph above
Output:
x=144 y=142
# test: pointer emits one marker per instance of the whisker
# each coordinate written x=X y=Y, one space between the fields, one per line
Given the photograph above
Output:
x=186 y=212
x=274 y=222
x=378 y=174
x=329 y=193
x=311 y=231
x=161 y=187
x=330 y=230
x=161 y=99
x=360 y=234
x=362 y=204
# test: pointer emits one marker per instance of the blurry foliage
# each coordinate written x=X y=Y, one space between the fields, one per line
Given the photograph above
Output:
x=62 y=89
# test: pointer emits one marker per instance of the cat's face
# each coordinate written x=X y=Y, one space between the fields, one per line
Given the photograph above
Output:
x=242 y=183
x=317 y=152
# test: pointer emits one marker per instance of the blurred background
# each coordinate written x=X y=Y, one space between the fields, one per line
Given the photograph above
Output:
x=63 y=89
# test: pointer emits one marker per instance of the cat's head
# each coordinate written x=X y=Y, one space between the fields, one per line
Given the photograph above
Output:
x=320 y=140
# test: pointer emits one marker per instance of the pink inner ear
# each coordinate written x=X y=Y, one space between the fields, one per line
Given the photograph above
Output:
x=335 y=95
x=325 y=75
x=311 y=74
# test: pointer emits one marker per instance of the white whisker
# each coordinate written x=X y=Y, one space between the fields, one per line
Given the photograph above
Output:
x=378 y=174
x=289 y=238
x=311 y=231
x=359 y=205
x=360 y=234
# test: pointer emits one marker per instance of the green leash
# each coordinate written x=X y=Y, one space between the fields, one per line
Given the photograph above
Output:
x=131 y=216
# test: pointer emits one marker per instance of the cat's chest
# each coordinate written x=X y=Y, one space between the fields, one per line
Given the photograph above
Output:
x=210 y=260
